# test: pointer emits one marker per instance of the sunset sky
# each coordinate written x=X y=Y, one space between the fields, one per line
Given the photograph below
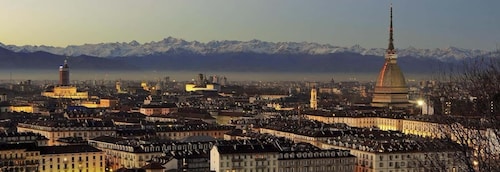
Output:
x=418 y=23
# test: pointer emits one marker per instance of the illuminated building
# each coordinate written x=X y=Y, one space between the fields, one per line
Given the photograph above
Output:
x=23 y=108
x=242 y=157
x=23 y=137
x=122 y=153
x=391 y=89
x=314 y=100
x=378 y=150
x=314 y=138
x=181 y=132
x=272 y=157
x=316 y=160
x=206 y=87
x=71 y=158
x=202 y=84
x=161 y=109
x=102 y=103
x=144 y=85
x=56 y=129
x=64 y=90
x=19 y=157
x=414 y=125
x=136 y=153
x=184 y=160
x=294 y=156
x=118 y=87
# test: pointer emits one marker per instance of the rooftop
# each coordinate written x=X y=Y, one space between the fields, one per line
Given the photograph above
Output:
x=18 y=146
x=67 y=149
x=246 y=148
x=389 y=141
x=74 y=123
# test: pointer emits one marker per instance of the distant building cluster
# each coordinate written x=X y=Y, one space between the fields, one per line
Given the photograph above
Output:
x=212 y=83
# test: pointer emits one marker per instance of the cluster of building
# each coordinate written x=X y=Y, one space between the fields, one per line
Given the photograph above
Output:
x=29 y=151
x=210 y=125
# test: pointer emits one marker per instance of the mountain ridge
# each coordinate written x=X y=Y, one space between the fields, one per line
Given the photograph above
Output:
x=45 y=60
x=135 y=49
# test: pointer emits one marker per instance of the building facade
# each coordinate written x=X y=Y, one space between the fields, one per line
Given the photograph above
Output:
x=161 y=109
x=316 y=160
x=78 y=158
x=54 y=130
x=120 y=154
x=240 y=158
x=19 y=157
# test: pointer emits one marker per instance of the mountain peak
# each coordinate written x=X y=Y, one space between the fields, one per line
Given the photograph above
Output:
x=134 y=48
x=134 y=43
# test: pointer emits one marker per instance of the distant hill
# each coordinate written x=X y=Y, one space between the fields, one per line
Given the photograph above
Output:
x=236 y=56
x=251 y=62
x=44 y=60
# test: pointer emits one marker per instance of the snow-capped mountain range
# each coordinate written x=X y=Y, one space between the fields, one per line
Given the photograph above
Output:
x=135 y=49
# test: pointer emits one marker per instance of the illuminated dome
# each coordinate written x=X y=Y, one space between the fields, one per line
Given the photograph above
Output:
x=391 y=76
x=390 y=90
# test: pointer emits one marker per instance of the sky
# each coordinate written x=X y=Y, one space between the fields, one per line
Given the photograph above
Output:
x=417 y=23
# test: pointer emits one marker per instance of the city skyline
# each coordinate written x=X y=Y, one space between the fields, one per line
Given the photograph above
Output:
x=422 y=24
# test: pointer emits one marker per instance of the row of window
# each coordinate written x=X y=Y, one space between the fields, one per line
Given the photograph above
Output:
x=316 y=162
x=22 y=138
x=84 y=134
x=58 y=160
x=297 y=169
x=70 y=166
x=18 y=155
x=237 y=156
x=407 y=156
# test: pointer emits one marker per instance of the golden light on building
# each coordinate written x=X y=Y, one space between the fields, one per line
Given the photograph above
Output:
x=391 y=89
x=64 y=90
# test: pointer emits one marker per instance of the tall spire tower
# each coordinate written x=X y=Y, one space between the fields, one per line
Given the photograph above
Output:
x=64 y=74
x=390 y=90
x=390 y=48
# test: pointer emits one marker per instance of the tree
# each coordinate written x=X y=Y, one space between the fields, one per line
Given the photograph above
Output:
x=473 y=97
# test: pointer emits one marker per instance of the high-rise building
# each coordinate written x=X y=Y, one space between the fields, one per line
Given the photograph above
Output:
x=390 y=90
x=64 y=74
x=314 y=99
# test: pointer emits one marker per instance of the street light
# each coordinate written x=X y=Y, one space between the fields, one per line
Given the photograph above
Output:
x=420 y=103
x=65 y=161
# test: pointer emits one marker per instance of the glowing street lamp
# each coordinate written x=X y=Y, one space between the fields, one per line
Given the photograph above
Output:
x=420 y=103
